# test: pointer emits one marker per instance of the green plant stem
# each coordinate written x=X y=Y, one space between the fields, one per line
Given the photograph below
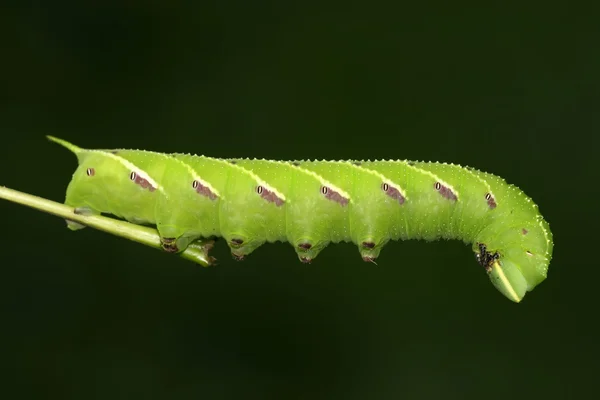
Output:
x=196 y=252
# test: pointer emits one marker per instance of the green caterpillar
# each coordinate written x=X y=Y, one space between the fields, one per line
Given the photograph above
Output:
x=313 y=203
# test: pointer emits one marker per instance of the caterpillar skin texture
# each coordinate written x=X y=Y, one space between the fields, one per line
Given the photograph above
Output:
x=313 y=203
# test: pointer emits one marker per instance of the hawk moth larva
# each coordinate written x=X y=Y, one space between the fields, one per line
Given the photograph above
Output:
x=310 y=204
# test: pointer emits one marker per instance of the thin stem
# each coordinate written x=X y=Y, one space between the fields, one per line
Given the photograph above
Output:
x=196 y=252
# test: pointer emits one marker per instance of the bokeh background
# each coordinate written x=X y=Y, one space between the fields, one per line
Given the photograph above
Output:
x=512 y=90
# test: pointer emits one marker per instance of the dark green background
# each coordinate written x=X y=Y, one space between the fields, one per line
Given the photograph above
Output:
x=510 y=90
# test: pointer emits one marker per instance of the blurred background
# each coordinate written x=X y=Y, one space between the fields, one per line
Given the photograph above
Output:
x=506 y=89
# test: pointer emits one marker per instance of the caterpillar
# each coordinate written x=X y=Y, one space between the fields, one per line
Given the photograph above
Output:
x=311 y=204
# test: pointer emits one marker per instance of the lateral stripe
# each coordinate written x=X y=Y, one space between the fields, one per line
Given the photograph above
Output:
x=250 y=173
x=131 y=166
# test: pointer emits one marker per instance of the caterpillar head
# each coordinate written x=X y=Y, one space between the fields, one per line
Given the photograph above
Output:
x=504 y=274
x=517 y=258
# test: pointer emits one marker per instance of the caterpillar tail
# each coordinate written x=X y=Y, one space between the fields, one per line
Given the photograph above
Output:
x=64 y=143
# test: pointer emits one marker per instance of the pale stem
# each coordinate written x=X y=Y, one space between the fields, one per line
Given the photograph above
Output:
x=196 y=252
